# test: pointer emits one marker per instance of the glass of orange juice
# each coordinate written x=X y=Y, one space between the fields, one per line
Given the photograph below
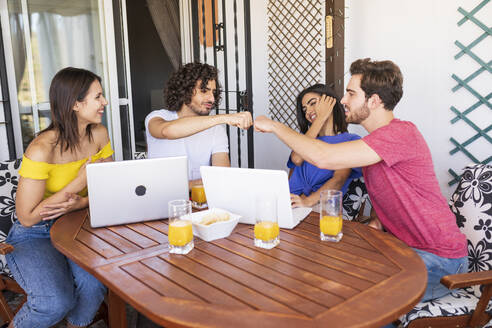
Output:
x=266 y=228
x=198 y=198
x=330 y=221
x=180 y=232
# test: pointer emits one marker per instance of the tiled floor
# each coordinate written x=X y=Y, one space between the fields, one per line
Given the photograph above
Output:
x=134 y=319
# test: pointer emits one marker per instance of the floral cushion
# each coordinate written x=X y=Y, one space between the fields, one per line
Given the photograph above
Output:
x=140 y=155
x=472 y=205
x=9 y=178
x=354 y=198
x=459 y=302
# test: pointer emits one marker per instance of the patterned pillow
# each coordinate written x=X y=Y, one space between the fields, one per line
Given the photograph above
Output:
x=354 y=198
x=9 y=178
x=140 y=155
x=472 y=205
x=459 y=302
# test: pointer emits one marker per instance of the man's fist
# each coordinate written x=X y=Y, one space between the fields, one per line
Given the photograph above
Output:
x=263 y=124
x=240 y=120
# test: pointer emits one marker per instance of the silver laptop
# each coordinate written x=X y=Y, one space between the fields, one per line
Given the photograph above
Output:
x=236 y=190
x=135 y=191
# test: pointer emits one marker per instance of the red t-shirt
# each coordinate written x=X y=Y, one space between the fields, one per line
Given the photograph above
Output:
x=405 y=193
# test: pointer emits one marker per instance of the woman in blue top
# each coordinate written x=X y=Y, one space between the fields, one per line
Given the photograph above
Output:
x=320 y=115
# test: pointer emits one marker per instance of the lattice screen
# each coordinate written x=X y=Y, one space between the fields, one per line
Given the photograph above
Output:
x=482 y=102
x=295 y=53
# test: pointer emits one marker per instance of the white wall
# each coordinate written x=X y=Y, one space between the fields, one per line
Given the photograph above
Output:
x=419 y=36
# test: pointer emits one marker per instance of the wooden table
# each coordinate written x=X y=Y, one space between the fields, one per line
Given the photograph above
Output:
x=368 y=279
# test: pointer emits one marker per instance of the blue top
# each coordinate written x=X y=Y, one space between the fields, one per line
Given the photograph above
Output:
x=308 y=178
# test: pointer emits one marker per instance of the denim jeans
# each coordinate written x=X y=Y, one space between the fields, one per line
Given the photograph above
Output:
x=56 y=287
x=437 y=267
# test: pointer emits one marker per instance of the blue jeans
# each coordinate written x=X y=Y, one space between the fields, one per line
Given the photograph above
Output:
x=56 y=287
x=437 y=267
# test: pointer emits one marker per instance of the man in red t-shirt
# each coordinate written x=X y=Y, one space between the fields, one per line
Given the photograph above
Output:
x=397 y=168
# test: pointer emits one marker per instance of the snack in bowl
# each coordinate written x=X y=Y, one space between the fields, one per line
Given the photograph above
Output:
x=214 y=223
x=214 y=217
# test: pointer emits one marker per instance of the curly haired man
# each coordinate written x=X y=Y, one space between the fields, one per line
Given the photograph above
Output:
x=185 y=127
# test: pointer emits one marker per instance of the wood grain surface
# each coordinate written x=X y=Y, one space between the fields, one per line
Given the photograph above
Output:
x=368 y=279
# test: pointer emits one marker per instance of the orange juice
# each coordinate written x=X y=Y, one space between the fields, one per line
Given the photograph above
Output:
x=198 y=194
x=266 y=230
x=180 y=232
x=330 y=225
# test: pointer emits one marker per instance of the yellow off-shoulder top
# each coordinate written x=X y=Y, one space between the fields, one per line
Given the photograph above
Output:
x=57 y=176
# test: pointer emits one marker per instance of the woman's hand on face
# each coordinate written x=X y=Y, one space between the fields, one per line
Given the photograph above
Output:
x=324 y=107
x=299 y=201
x=72 y=202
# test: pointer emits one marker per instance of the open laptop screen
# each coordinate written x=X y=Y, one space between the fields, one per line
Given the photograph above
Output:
x=236 y=190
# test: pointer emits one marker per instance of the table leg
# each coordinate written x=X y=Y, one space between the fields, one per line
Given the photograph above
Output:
x=117 y=311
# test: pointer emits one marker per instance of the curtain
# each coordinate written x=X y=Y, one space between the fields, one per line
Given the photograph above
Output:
x=165 y=15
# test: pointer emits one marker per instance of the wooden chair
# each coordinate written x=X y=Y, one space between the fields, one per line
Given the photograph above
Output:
x=9 y=179
x=469 y=305
x=8 y=283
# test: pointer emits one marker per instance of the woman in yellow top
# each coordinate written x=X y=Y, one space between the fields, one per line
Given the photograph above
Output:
x=53 y=182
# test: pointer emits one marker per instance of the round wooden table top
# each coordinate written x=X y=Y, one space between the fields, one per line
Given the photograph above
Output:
x=368 y=279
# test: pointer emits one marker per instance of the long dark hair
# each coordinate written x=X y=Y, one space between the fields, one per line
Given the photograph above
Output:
x=68 y=86
x=339 y=124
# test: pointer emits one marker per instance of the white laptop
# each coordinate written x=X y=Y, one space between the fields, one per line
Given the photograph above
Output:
x=135 y=191
x=236 y=190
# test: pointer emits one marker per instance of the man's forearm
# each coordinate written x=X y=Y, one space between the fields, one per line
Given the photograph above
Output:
x=187 y=126
x=311 y=150
x=324 y=155
x=321 y=154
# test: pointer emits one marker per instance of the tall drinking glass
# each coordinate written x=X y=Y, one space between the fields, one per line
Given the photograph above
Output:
x=266 y=227
x=180 y=233
x=330 y=223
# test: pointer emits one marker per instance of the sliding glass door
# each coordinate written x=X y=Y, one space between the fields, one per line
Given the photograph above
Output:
x=43 y=36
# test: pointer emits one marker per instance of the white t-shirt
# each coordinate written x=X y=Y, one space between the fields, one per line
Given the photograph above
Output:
x=199 y=147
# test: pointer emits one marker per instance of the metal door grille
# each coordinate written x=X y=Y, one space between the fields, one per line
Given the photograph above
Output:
x=295 y=53
x=221 y=34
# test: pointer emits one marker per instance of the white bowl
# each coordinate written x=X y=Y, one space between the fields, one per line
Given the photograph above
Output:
x=215 y=230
